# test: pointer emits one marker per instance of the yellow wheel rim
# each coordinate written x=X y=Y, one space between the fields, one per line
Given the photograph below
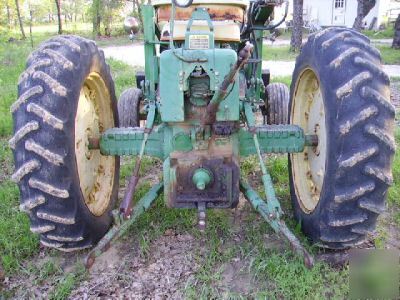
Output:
x=96 y=172
x=308 y=167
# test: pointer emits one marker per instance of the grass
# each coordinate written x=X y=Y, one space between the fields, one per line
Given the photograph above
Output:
x=387 y=33
x=394 y=191
x=282 y=53
x=16 y=241
x=283 y=79
x=390 y=56
x=275 y=273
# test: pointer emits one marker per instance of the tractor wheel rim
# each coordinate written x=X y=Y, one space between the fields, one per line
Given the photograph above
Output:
x=96 y=172
x=308 y=167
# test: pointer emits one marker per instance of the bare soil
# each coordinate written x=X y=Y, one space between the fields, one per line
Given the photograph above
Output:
x=122 y=273
x=171 y=262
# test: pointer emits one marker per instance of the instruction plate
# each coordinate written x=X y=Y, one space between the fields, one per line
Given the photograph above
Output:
x=199 y=41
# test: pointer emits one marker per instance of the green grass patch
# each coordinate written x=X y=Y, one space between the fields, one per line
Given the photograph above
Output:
x=16 y=241
x=390 y=56
x=123 y=75
x=394 y=191
x=12 y=63
x=67 y=282
x=282 y=53
x=283 y=79
x=387 y=33
x=290 y=279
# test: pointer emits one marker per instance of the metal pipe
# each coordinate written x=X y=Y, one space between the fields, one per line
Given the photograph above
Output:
x=212 y=108
x=271 y=27
x=126 y=204
x=272 y=202
x=311 y=140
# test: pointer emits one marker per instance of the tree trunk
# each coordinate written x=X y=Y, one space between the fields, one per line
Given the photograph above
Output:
x=297 y=30
x=363 y=8
x=8 y=15
x=58 y=5
x=96 y=17
x=21 y=26
x=396 y=39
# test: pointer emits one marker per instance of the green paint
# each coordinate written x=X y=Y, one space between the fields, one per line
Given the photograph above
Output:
x=272 y=201
x=151 y=61
x=200 y=14
x=177 y=65
x=182 y=142
x=272 y=139
x=174 y=81
x=201 y=178
x=128 y=141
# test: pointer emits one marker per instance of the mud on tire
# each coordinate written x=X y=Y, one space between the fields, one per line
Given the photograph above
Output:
x=44 y=142
x=359 y=137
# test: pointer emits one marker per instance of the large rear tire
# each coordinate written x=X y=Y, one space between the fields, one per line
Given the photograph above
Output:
x=340 y=93
x=66 y=95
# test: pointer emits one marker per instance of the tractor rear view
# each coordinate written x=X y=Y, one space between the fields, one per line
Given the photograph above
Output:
x=197 y=102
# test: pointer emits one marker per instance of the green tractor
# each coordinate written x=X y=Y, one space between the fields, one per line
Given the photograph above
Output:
x=195 y=108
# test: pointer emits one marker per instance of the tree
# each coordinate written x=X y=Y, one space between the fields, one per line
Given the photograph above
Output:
x=110 y=10
x=8 y=14
x=58 y=5
x=297 y=30
x=21 y=25
x=104 y=12
x=363 y=8
x=396 y=39
x=96 y=16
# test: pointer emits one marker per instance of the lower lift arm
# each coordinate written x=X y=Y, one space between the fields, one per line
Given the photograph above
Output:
x=270 y=210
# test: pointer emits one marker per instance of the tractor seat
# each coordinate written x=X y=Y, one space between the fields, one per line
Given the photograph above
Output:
x=224 y=31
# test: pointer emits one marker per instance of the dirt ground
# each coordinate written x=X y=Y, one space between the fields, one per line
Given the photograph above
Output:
x=166 y=269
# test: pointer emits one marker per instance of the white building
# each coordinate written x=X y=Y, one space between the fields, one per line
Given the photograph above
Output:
x=327 y=13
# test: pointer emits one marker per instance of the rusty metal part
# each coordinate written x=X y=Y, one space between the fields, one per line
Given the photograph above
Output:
x=296 y=245
x=212 y=107
x=225 y=128
x=217 y=12
x=221 y=192
x=94 y=143
x=311 y=140
x=201 y=215
x=120 y=228
x=126 y=204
